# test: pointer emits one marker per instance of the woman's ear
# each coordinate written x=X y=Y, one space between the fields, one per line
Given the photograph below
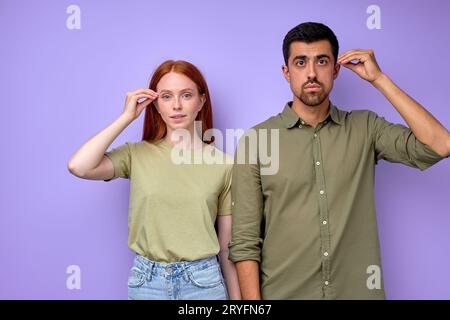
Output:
x=156 y=106
x=203 y=100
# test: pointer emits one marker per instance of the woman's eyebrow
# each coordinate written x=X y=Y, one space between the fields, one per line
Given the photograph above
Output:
x=181 y=90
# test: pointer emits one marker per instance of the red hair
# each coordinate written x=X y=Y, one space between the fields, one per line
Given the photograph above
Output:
x=154 y=126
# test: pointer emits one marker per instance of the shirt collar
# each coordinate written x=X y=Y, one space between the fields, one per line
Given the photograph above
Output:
x=290 y=118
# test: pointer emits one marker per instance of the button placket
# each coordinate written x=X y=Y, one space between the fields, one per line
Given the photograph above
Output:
x=323 y=207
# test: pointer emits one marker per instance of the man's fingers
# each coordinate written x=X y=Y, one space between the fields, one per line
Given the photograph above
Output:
x=350 y=66
x=348 y=54
x=351 y=57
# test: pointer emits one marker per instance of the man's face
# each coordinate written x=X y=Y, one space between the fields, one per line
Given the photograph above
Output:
x=311 y=71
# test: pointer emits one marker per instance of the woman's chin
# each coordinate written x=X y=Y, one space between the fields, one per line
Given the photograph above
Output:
x=180 y=126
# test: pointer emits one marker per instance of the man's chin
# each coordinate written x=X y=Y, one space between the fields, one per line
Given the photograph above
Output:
x=312 y=101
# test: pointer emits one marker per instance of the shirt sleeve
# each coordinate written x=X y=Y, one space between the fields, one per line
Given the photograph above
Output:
x=397 y=143
x=224 y=207
x=247 y=205
x=121 y=159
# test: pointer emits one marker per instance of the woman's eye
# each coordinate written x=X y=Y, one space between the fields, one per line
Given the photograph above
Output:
x=165 y=97
x=187 y=95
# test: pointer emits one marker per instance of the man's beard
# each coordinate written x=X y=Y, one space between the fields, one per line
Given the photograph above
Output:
x=313 y=99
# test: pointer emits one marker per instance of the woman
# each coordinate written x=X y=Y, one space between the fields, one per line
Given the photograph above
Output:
x=173 y=206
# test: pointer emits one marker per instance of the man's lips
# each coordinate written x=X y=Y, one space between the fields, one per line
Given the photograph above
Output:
x=312 y=87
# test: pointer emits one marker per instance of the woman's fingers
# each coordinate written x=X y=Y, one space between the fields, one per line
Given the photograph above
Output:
x=143 y=96
x=142 y=91
x=138 y=100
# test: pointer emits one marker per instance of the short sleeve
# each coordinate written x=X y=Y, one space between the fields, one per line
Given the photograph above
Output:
x=224 y=207
x=397 y=143
x=121 y=159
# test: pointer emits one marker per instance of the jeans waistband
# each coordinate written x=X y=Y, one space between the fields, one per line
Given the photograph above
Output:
x=159 y=268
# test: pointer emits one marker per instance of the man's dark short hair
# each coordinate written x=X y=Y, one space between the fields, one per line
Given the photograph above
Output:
x=310 y=32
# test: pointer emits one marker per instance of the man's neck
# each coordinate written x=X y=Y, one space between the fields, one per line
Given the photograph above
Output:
x=311 y=115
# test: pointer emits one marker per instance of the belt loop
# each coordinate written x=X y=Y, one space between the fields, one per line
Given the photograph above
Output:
x=150 y=271
x=185 y=272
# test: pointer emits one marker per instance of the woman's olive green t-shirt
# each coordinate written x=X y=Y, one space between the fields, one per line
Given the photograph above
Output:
x=173 y=206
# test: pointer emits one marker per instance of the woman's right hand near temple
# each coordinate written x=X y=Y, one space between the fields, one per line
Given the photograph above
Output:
x=89 y=161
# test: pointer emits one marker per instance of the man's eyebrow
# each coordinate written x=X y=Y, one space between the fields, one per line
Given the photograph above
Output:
x=320 y=56
x=301 y=57
x=305 y=57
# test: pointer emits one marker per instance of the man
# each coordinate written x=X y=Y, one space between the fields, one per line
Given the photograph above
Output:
x=309 y=230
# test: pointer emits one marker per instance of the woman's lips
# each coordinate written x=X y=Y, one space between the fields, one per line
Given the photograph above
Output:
x=178 y=117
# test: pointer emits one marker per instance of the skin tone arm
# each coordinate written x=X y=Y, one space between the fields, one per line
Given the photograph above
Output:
x=425 y=127
x=89 y=161
x=228 y=267
x=248 y=274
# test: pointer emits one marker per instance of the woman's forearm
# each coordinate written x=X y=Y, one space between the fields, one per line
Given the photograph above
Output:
x=90 y=154
x=230 y=275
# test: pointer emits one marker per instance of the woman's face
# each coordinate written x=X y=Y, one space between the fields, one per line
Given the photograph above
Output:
x=178 y=101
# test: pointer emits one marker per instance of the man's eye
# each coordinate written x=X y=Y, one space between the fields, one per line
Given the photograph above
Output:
x=322 y=61
x=300 y=63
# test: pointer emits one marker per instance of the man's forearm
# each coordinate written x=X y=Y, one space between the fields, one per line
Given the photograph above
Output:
x=248 y=276
x=425 y=127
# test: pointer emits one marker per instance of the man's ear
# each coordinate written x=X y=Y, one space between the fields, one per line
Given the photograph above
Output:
x=337 y=67
x=285 y=71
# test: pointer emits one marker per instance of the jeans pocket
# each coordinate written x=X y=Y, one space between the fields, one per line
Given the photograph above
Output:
x=206 y=278
x=136 y=278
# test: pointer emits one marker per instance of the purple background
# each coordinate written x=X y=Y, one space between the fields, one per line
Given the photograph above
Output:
x=59 y=87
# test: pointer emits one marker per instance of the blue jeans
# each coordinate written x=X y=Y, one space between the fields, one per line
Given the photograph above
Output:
x=186 y=280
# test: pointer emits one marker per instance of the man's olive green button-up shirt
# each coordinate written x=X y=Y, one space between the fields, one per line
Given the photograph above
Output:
x=312 y=224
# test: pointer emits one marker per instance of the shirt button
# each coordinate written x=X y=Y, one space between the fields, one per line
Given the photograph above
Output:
x=232 y=203
x=324 y=222
x=325 y=254
x=318 y=163
x=303 y=122
x=322 y=192
x=300 y=126
x=315 y=135
x=327 y=283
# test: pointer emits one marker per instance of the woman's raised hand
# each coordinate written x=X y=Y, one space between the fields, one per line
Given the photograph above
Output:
x=138 y=100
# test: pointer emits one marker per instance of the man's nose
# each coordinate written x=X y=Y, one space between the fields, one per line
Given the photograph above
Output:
x=312 y=71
